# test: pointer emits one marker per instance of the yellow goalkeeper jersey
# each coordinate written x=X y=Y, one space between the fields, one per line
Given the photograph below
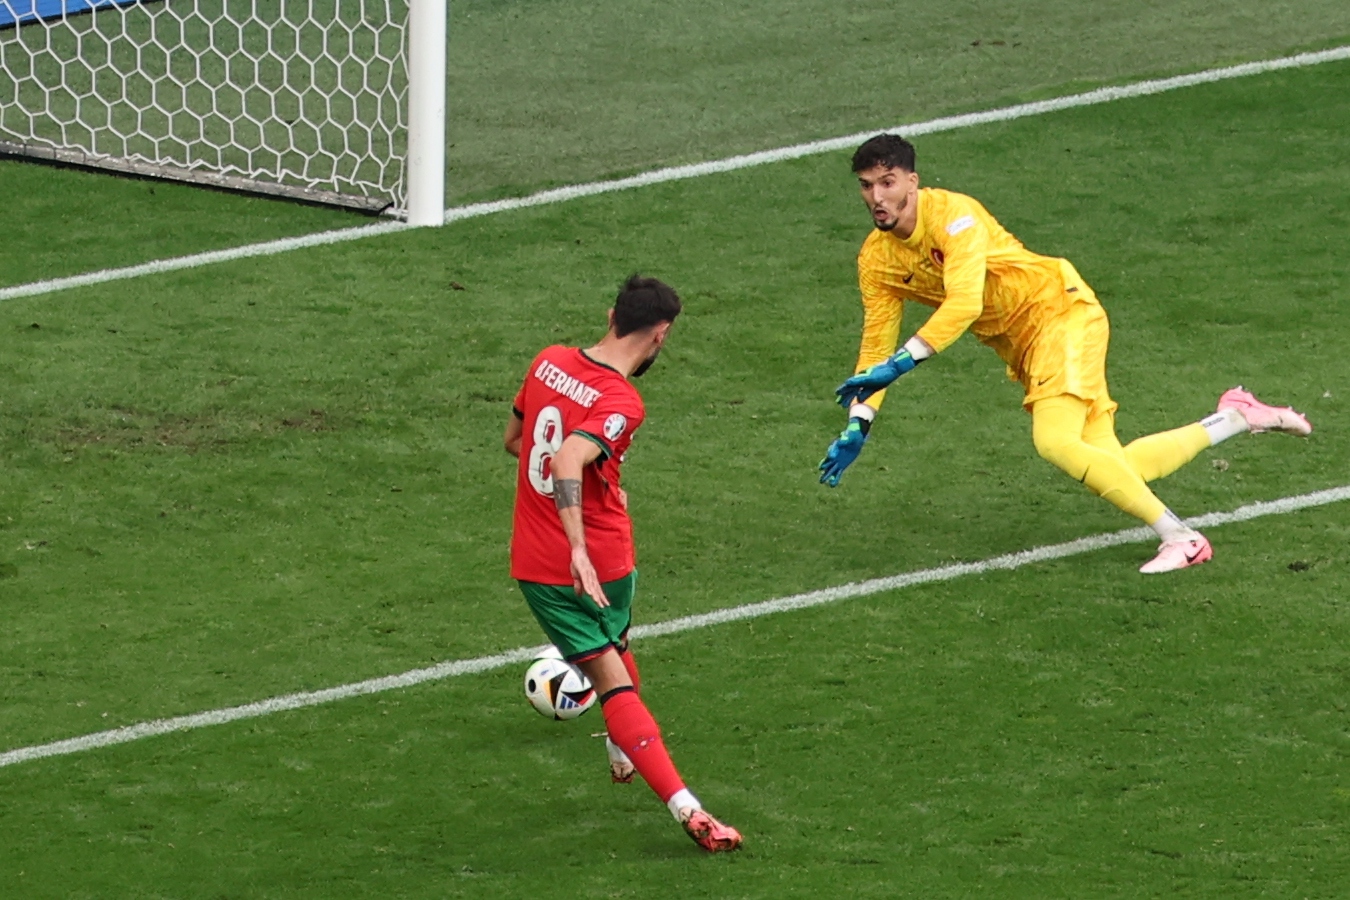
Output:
x=976 y=275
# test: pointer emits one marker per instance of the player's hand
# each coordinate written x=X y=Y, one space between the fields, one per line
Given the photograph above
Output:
x=623 y=498
x=873 y=379
x=843 y=452
x=584 y=580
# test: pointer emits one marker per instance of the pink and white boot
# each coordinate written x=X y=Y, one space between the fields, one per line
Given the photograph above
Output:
x=1181 y=554
x=1261 y=417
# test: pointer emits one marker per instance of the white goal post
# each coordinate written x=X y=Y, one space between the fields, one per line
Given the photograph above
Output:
x=330 y=101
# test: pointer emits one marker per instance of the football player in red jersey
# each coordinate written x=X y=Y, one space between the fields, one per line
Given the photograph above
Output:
x=572 y=540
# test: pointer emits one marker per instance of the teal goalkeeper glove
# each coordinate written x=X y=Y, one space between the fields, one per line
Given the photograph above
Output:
x=843 y=451
x=873 y=379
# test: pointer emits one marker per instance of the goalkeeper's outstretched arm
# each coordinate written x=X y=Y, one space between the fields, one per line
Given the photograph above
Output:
x=875 y=378
x=845 y=449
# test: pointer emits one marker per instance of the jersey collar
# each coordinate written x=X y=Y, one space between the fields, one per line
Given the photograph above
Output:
x=915 y=240
x=595 y=362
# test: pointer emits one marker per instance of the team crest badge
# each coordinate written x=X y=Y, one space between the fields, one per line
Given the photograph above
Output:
x=614 y=426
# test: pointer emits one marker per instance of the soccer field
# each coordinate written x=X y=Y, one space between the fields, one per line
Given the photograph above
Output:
x=284 y=474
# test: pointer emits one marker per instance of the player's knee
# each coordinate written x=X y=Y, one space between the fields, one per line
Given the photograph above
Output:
x=1062 y=451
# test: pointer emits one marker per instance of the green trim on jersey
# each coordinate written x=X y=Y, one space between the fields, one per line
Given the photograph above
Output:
x=605 y=451
x=592 y=359
x=575 y=625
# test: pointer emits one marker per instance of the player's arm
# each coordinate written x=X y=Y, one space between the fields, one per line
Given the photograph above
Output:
x=515 y=428
x=576 y=453
x=515 y=425
x=883 y=312
x=883 y=307
x=879 y=363
x=965 y=245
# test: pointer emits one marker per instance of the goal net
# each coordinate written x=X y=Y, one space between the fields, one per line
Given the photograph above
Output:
x=301 y=98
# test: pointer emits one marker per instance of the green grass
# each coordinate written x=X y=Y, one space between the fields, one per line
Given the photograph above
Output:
x=77 y=221
x=543 y=94
x=1076 y=731
x=283 y=474
x=532 y=85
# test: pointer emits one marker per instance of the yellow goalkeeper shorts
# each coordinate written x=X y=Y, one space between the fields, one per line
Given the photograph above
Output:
x=1068 y=356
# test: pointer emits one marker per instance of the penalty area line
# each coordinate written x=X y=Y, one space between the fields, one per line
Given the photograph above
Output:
x=1006 y=562
x=680 y=173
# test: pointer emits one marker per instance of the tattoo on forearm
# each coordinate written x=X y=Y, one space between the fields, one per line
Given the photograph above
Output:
x=566 y=492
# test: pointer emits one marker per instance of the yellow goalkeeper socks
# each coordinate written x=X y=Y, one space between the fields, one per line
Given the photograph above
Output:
x=1156 y=455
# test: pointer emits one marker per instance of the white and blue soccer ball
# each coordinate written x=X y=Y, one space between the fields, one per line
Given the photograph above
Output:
x=556 y=688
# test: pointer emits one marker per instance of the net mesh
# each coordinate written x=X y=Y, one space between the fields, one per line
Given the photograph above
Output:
x=294 y=97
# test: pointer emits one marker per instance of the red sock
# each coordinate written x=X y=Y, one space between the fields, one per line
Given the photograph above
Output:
x=631 y=665
x=634 y=730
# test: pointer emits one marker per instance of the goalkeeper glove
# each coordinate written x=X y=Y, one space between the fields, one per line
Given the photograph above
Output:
x=874 y=378
x=843 y=451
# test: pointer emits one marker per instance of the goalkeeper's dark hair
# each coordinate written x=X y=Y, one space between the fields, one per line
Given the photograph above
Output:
x=889 y=150
x=643 y=303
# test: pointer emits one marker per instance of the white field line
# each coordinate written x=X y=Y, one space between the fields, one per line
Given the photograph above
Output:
x=197 y=260
x=677 y=173
x=674 y=626
x=848 y=142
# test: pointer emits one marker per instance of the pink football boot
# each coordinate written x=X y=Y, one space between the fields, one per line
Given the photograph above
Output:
x=1264 y=418
x=1173 y=555
x=709 y=833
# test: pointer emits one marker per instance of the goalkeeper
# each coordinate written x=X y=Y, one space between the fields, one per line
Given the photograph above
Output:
x=945 y=250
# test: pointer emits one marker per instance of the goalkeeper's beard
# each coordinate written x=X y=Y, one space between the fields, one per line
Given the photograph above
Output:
x=894 y=220
x=646 y=364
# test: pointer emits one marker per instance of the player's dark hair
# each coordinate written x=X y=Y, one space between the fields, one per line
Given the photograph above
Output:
x=889 y=150
x=642 y=303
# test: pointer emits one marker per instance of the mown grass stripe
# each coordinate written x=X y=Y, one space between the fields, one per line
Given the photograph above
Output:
x=679 y=173
x=1006 y=562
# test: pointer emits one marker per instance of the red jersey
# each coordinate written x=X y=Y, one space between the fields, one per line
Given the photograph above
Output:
x=565 y=393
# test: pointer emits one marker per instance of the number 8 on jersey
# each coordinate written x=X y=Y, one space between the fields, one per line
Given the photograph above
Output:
x=548 y=438
x=567 y=393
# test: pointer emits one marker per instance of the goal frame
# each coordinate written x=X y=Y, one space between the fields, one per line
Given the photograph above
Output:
x=424 y=165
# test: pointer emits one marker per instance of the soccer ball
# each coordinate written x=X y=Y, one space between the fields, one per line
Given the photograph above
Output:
x=556 y=688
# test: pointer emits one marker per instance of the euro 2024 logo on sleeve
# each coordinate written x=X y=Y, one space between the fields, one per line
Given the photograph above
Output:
x=614 y=426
